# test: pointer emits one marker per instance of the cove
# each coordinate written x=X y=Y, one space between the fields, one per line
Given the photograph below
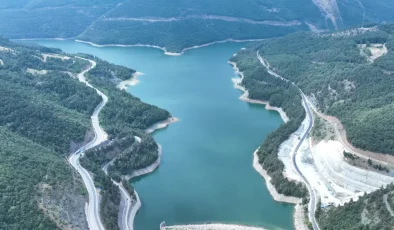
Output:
x=206 y=174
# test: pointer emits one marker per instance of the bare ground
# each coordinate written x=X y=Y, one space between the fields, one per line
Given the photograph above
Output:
x=62 y=203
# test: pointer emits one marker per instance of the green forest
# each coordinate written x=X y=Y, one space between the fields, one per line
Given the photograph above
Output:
x=44 y=116
x=184 y=23
x=181 y=34
x=331 y=69
x=368 y=212
x=21 y=173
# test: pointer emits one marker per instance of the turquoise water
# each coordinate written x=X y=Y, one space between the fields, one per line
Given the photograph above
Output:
x=206 y=173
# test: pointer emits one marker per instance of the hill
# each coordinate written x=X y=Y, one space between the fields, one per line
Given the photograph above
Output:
x=346 y=74
x=178 y=24
x=372 y=211
x=44 y=116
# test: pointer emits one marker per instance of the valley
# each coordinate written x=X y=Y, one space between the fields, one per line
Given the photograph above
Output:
x=206 y=115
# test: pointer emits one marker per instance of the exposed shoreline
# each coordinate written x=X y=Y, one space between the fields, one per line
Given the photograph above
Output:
x=271 y=188
x=137 y=205
x=166 y=52
x=32 y=39
x=147 y=169
x=161 y=124
x=298 y=215
x=216 y=226
x=134 y=209
x=245 y=95
x=123 y=85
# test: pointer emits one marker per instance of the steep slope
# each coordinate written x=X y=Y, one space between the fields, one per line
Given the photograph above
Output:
x=179 y=24
x=42 y=118
x=330 y=11
x=369 y=212
x=176 y=25
x=49 y=19
x=346 y=74
x=363 y=12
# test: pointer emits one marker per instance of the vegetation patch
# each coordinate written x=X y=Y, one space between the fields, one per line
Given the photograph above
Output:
x=343 y=83
x=42 y=119
x=322 y=129
x=368 y=212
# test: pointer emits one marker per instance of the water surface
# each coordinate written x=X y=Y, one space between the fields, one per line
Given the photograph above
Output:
x=206 y=173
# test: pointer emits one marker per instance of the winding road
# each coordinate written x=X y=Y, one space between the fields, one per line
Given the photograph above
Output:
x=92 y=208
x=313 y=196
x=126 y=221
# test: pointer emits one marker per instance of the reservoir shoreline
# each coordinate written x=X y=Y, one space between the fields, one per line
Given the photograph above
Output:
x=137 y=204
x=166 y=52
x=149 y=169
x=298 y=216
x=123 y=85
x=245 y=95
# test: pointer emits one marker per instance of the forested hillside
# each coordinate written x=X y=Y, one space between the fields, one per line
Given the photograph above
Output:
x=48 y=18
x=372 y=211
x=263 y=86
x=123 y=118
x=44 y=116
x=178 y=24
x=347 y=74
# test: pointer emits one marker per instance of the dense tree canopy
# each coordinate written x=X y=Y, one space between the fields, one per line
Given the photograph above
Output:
x=331 y=68
x=179 y=24
x=369 y=212
x=44 y=115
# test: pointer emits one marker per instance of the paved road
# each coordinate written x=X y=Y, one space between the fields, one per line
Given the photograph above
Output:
x=92 y=209
x=126 y=223
x=313 y=196
x=92 y=212
x=312 y=193
x=388 y=205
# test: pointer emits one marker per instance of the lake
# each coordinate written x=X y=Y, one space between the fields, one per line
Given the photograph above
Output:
x=206 y=174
